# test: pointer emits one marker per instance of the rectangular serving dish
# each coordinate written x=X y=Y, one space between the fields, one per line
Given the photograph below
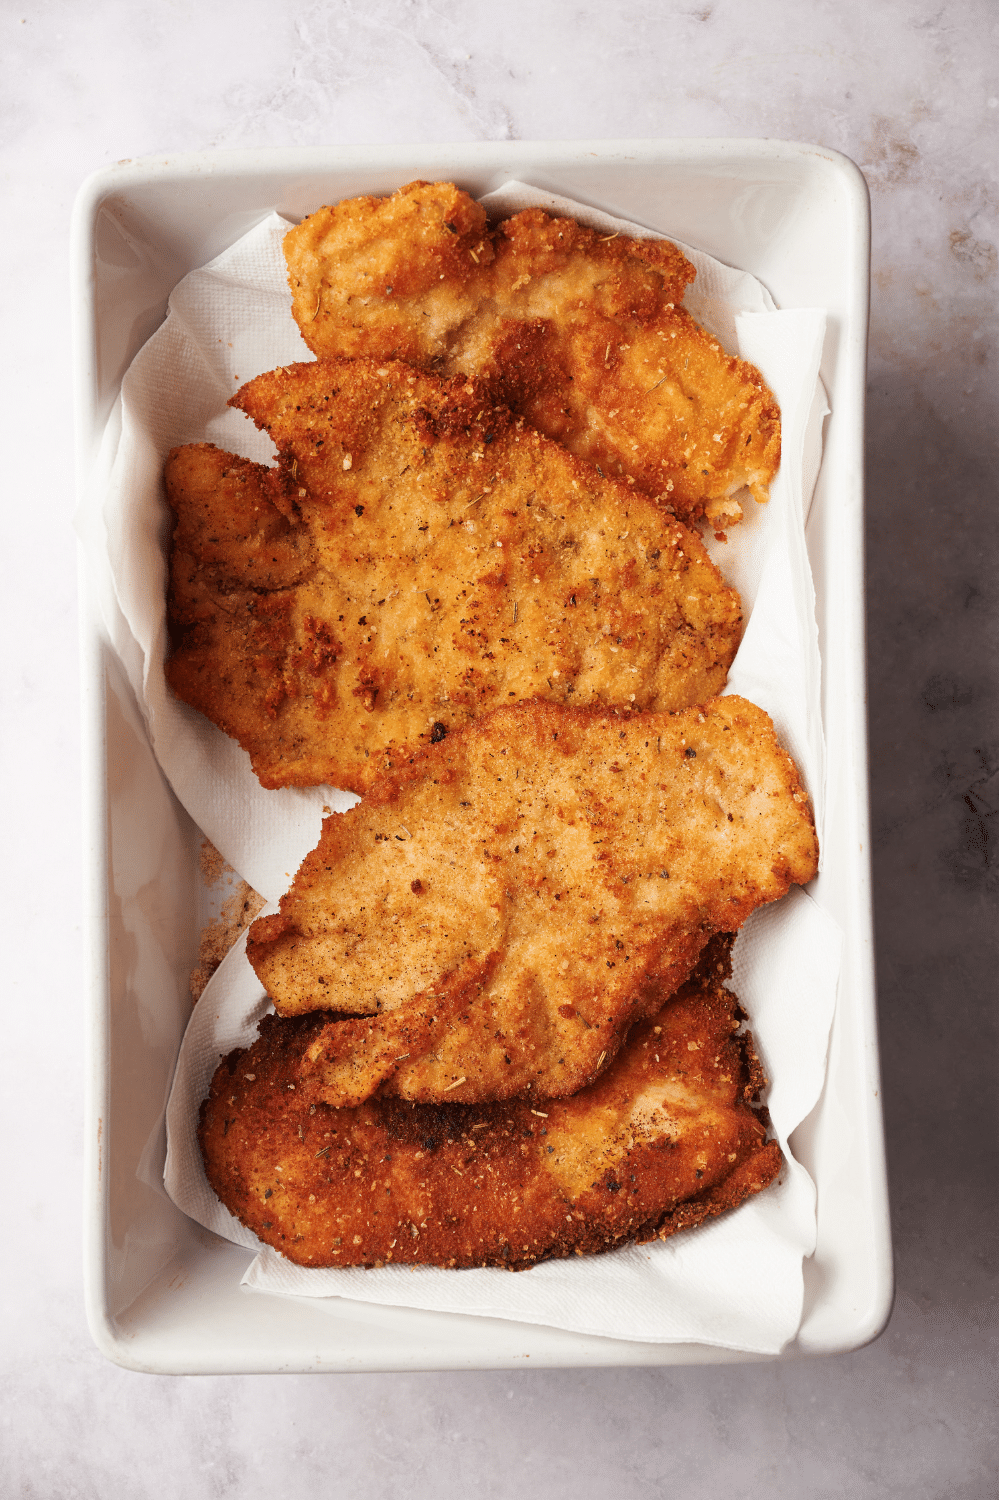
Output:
x=163 y=1295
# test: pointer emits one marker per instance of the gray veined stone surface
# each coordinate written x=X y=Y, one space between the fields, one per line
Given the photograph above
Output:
x=908 y=89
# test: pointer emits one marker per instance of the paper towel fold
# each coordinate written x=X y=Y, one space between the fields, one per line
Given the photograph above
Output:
x=231 y=320
x=736 y=1281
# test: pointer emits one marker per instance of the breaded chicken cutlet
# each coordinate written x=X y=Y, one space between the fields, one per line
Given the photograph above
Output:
x=499 y=911
x=418 y=557
x=668 y=1137
x=582 y=333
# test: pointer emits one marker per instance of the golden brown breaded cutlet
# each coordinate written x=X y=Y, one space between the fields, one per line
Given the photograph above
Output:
x=582 y=333
x=419 y=557
x=666 y=1138
x=499 y=911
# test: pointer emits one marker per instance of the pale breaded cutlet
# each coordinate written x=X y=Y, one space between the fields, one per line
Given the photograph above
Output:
x=582 y=333
x=499 y=911
x=669 y=1136
x=418 y=557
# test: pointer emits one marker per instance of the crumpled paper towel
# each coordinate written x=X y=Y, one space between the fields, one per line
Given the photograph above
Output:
x=735 y=1282
x=231 y=320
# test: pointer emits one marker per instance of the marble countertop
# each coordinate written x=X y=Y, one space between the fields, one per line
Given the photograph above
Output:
x=908 y=89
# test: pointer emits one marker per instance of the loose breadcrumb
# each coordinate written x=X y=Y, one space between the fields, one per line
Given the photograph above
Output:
x=221 y=932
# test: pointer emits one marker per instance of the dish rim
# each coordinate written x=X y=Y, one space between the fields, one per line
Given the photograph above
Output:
x=126 y=185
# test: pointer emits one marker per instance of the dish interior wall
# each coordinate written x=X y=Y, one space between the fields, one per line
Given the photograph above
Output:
x=795 y=219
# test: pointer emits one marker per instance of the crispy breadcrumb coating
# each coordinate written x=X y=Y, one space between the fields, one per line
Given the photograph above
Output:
x=668 y=1137
x=419 y=557
x=500 y=910
x=582 y=333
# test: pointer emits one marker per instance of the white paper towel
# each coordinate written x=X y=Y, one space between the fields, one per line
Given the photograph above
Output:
x=735 y=1282
x=230 y=321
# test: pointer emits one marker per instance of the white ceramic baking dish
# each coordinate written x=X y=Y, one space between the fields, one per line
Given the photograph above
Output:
x=162 y=1294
